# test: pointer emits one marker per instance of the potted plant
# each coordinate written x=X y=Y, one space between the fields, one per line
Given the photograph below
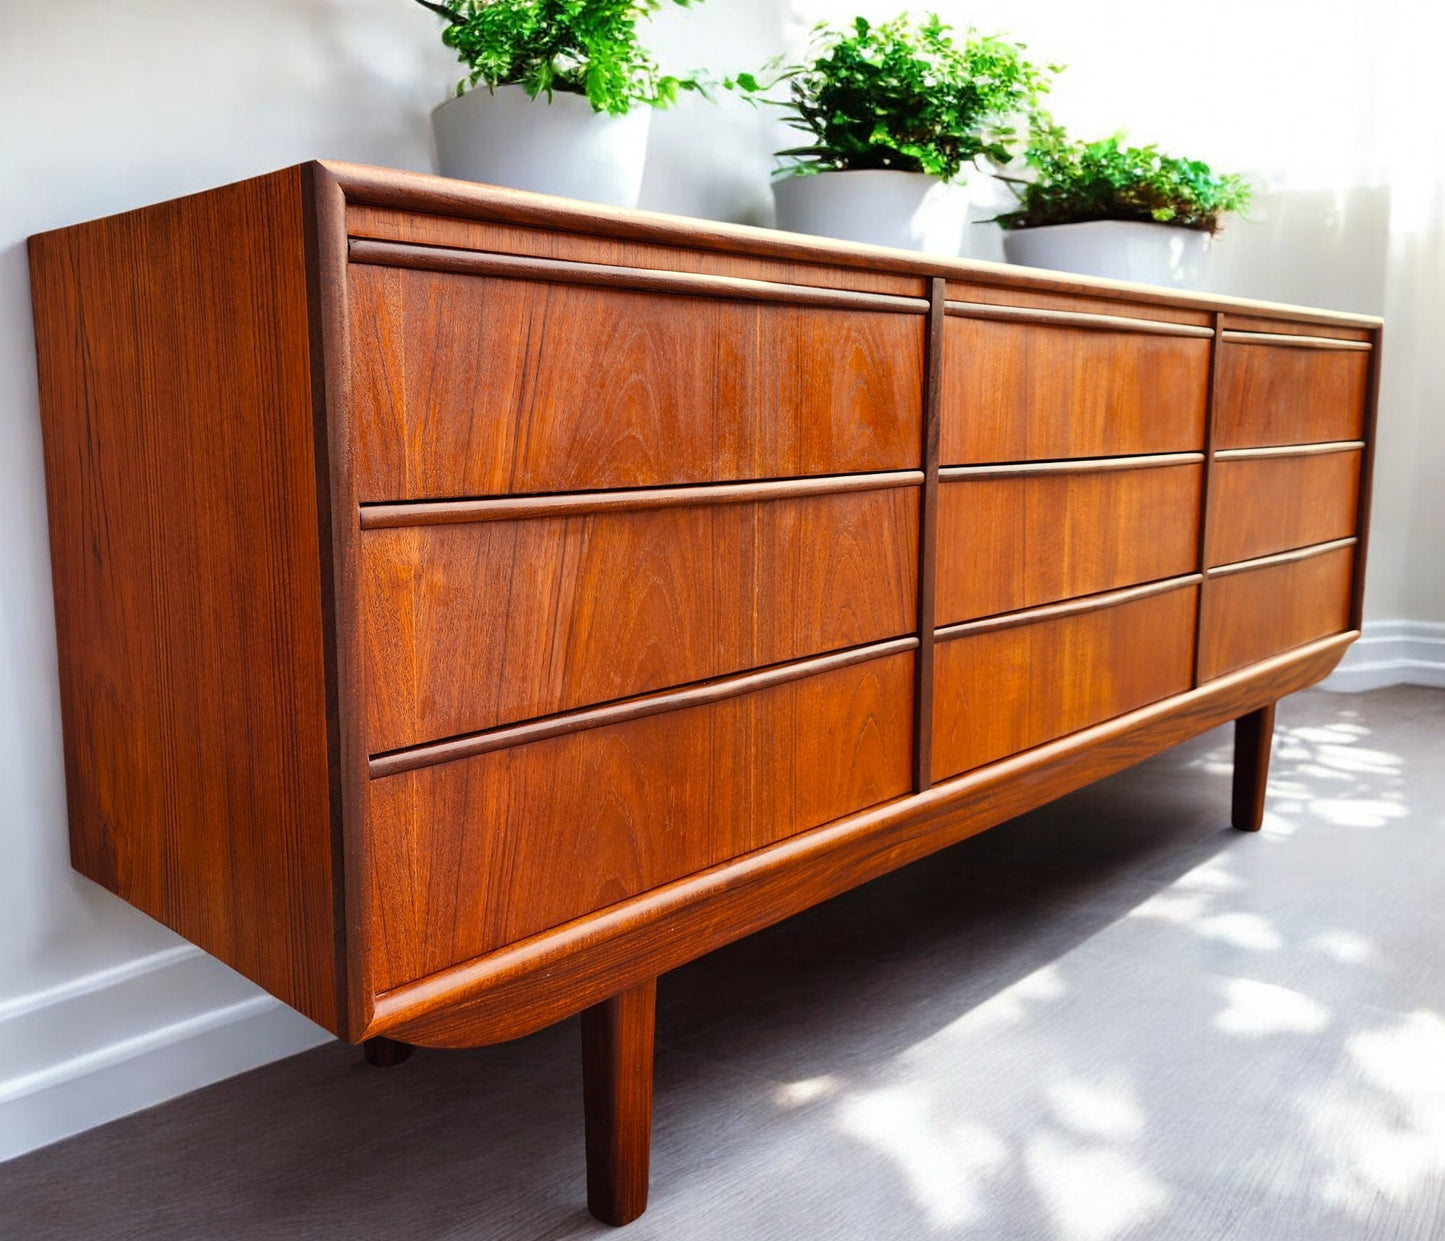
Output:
x=895 y=112
x=557 y=97
x=1107 y=209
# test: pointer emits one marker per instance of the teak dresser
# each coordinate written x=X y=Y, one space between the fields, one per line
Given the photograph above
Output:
x=472 y=605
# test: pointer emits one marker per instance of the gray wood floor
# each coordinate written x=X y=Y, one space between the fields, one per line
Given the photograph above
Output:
x=1113 y=1018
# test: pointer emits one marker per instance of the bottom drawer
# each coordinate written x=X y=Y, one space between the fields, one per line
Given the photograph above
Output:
x=1010 y=684
x=1259 y=610
x=471 y=854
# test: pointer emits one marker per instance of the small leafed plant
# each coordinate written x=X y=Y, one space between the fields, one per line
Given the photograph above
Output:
x=902 y=96
x=579 y=47
x=1075 y=182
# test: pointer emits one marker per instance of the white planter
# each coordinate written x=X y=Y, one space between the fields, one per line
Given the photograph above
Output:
x=562 y=147
x=907 y=210
x=1118 y=249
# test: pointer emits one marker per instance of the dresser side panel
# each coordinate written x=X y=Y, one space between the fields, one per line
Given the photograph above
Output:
x=176 y=399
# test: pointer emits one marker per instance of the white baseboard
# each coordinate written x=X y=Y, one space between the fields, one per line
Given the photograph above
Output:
x=1392 y=652
x=95 y=1048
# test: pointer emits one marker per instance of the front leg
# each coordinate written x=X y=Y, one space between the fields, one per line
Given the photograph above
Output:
x=1252 y=736
x=617 y=1049
x=385 y=1053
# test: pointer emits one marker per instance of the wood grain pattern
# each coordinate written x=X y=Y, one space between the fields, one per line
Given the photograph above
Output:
x=928 y=546
x=471 y=386
x=1269 y=504
x=1251 y=615
x=1012 y=542
x=336 y=509
x=1207 y=499
x=1259 y=323
x=422 y=194
x=440 y=648
x=1029 y=392
x=1296 y=340
x=1275 y=395
x=633 y=279
x=1367 y=480
x=472 y=626
x=628 y=500
x=413 y=228
x=324 y=371
x=1004 y=690
x=623 y=710
x=1090 y=301
x=532 y=984
x=617 y=1054
x=464 y=861
x=1053 y=317
x=175 y=375
x=1067 y=607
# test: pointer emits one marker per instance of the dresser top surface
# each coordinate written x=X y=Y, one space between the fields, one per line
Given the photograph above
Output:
x=369 y=186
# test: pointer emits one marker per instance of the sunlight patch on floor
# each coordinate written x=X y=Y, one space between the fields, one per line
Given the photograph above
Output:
x=1358 y=812
x=945 y=1162
x=1176 y=908
x=1346 y=947
x=1385 y=1136
x=1008 y=1007
x=1256 y=1009
x=798 y=1094
x=1190 y=902
x=1210 y=876
x=1092 y=1192
x=1241 y=930
x=1106 y=1109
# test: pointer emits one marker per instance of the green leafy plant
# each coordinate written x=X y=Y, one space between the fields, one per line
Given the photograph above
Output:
x=1075 y=182
x=579 y=47
x=903 y=96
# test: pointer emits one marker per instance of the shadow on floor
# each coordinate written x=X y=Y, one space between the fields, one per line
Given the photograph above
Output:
x=1027 y=1035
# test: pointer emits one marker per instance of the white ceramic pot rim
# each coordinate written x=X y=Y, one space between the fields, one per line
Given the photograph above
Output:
x=1090 y=224
x=792 y=174
x=559 y=99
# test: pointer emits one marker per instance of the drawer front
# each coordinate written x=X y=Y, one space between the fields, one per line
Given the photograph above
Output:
x=1001 y=689
x=467 y=385
x=1262 y=505
x=1029 y=391
x=474 y=625
x=1011 y=541
x=480 y=852
x=1255 y=613
x=1285 y=394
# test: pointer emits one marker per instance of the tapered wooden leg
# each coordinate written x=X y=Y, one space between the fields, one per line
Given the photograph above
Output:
x=1252 y=735
x=385 y=1052
x=617 y=1098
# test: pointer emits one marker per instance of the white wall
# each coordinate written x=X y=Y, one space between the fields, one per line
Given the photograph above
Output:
x=106 y=106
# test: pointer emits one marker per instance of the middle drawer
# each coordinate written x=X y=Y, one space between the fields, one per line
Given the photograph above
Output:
x=1012 y=537
x=497 y=619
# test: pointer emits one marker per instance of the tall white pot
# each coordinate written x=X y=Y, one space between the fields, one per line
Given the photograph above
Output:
x=563 y=147
x=1119 y=249
x=907 y=210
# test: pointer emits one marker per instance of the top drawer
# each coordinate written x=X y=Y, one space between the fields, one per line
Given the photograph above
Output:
x=487 y=384
x=1280 y=389
x=1040 y=388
